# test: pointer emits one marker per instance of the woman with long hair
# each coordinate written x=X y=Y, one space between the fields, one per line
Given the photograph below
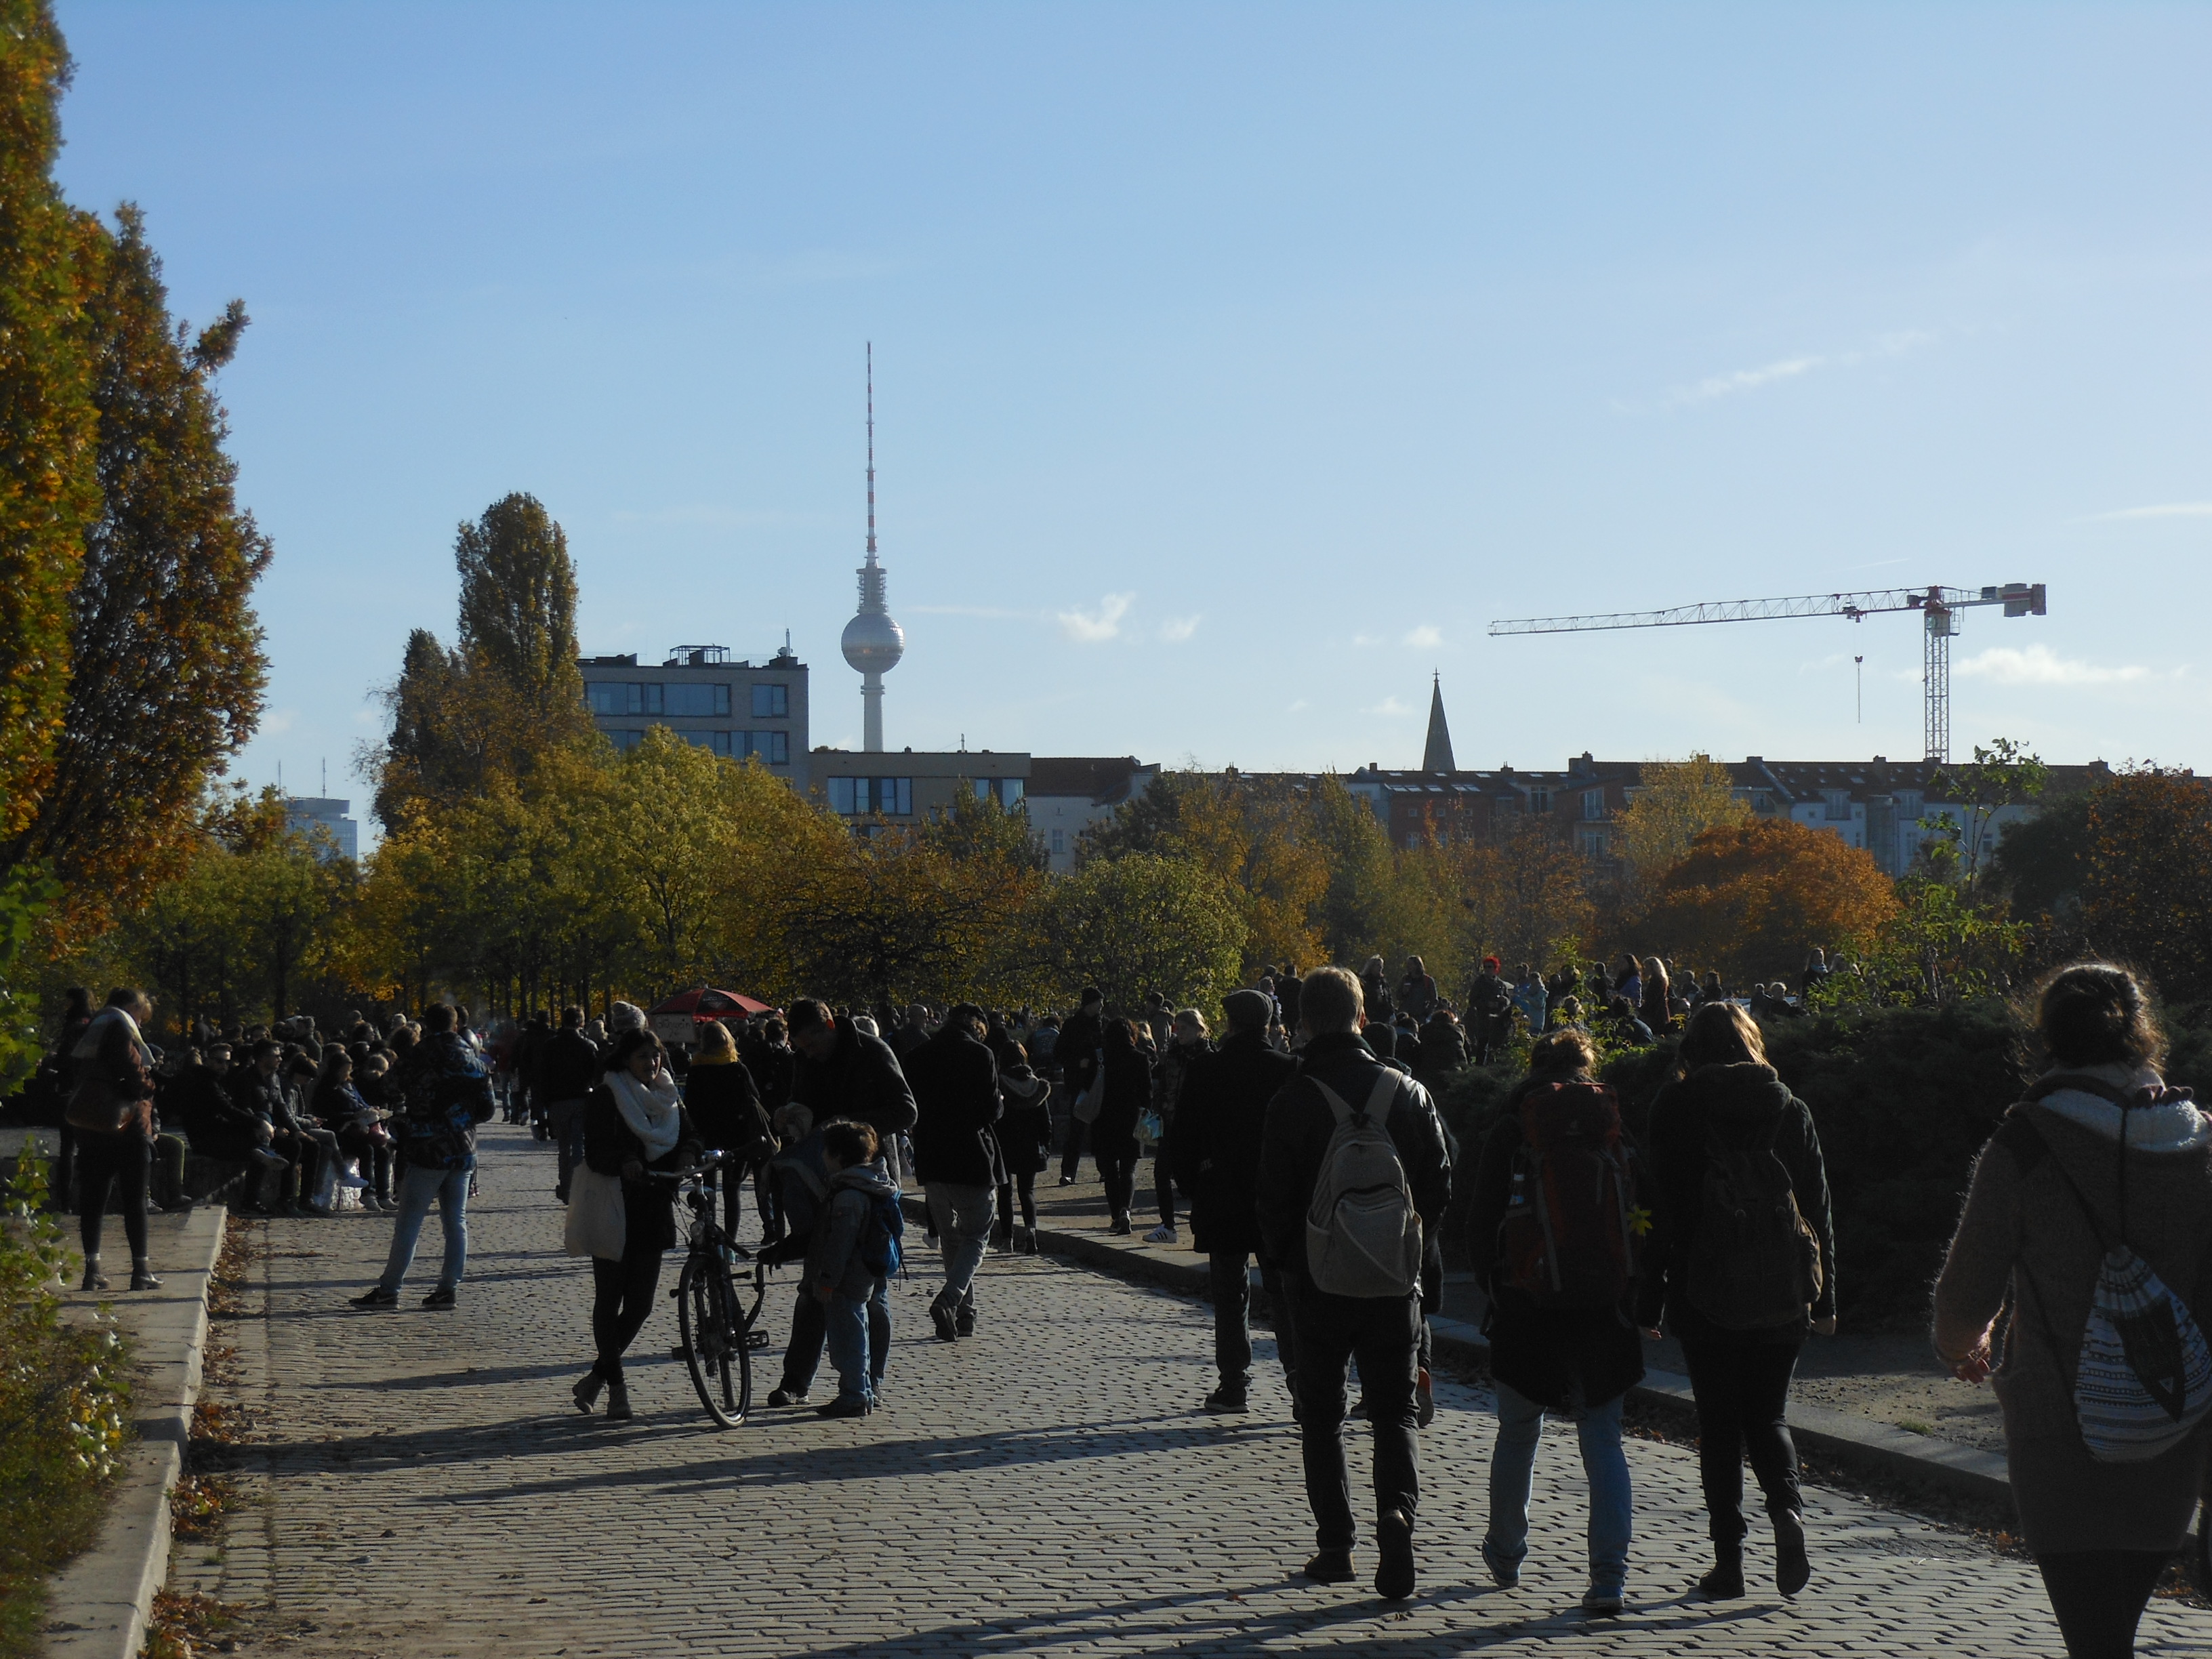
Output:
x=634 y=1126
x=341 y=1109
x=2094 y=1196
x=726 y=1106
x=1742 y=1265
x=1025 y=1131
x=1654 y=1011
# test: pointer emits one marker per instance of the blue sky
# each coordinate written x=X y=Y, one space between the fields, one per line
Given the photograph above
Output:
x=1236 y=365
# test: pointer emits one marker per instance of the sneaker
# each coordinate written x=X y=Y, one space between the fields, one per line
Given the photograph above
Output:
x=1162 y=1234
x=1120 y=1227
x=1067 y=1181
x=1506 y=1575
x=1793 y=1568
x=1601 y=1599
x=946 y=1321
x=787 y=1396
x=1394 y=1540
x=1226 y=1402
x=1328 y=1567
x=842 y=1406
x=377 y=1297
x=1425 y=1395
x=443 y=1297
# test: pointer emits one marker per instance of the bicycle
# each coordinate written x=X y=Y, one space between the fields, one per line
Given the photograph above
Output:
x=715 y=1316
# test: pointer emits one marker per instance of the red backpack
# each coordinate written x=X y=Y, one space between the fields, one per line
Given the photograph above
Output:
x=1568 y=1238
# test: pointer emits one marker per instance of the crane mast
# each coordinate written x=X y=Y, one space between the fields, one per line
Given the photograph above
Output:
x=1939 y=607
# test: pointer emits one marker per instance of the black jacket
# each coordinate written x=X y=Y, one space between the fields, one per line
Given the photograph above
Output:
x=196 y=1101
x=727 y=1109
x=1129 y=1076
x=771 y=1069
x=568 y=1066
x=1742 y=1105
x=262 y=1096
x=1024 y=1126
x=648 y=1205
x=860 y=1080
x=1549 y=1355
x=1220 y=1116
x=1076 y=1050
x=956 y=1097
x=1300 y=1123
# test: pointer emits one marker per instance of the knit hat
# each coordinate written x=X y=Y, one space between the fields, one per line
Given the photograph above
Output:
x=1247 y=1010
x=625 y=1017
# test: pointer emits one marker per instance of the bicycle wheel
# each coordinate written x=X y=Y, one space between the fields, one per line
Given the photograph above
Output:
x=714 y=1340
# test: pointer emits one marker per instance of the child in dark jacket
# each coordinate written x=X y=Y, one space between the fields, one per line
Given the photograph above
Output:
x=849 y=1261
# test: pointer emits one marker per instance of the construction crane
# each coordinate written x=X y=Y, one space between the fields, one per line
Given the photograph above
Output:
x=1939 y=607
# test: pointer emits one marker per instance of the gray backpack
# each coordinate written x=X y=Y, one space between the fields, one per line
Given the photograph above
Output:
x=1362 y=1234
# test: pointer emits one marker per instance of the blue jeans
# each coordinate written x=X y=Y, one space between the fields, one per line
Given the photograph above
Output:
x=1512 y=1468
x=962 y=1216
x=859 y=1335
x=417 y=1188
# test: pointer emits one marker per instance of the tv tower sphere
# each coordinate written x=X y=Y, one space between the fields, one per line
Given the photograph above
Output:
x=872 y=642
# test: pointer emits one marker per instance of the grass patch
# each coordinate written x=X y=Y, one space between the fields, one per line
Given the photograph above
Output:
x=64 y=1392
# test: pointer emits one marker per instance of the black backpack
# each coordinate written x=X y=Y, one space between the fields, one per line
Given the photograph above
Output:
x=1756 y=1263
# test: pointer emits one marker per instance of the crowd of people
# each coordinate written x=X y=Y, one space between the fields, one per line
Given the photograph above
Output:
x=1304 y=1136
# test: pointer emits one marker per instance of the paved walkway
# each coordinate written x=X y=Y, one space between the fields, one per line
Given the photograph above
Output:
x=1047 y=1487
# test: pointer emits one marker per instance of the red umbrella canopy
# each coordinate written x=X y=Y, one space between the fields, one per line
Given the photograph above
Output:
x=704 y=1002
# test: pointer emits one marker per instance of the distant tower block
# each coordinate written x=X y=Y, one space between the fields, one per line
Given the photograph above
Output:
x=872 y=642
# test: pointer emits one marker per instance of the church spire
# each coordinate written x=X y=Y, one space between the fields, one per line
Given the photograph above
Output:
x=1438 y=756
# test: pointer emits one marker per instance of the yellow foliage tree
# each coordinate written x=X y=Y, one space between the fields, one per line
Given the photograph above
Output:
x=1675 y=803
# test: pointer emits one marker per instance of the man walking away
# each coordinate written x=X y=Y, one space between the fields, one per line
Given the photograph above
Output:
x=1489 y=1012
x=568 y=1071
x=1077 y=1052
x=1353 y=1171
x=1220 y=1114
x=444 y=1094
x=955 y=1156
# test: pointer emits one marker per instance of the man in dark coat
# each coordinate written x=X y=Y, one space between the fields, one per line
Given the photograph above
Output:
x=955 y=1155
x=838 y=1071
x=1384 y=1332
x=254 y=1089
x=1076 y=1050
x=197 y=1102
x=1219 y=1116
x=567 y=1070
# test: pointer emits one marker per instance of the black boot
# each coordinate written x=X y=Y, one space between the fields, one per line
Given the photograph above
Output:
x=1793 y=1568
x=1725 y=1582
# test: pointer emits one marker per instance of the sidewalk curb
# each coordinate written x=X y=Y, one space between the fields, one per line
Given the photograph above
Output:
x=1856 y=1443
x=99 y=1604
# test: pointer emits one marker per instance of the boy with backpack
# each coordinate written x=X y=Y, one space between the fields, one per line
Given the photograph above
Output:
x=1353 y=1175
x=1555 y=1232
x=853 y=1253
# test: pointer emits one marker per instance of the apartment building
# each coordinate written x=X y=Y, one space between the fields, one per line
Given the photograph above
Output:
x=730 y=705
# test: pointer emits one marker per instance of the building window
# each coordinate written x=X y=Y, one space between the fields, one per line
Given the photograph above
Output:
x=1007 y=791
x=771 y=702
x=859 y=797
x=773 y=747
x=626 y=741
x=1539 y=800
x=697 y=700
x=1593 y=806
x=1839 y=805
x=1592 y=843
x=1059 y=843
x=623 y=697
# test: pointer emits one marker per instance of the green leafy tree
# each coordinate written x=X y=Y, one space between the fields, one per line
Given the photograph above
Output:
x=2004 y=774
x=49 y=491
x=2042 y=863
x=1143 y=922
x=167 y=666
x=518 y=608
x=2147 y=897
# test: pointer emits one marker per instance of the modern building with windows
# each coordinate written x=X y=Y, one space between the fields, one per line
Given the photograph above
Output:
x=730 y=705
x=308 y=813
x=1069 y=795
x=902 y=786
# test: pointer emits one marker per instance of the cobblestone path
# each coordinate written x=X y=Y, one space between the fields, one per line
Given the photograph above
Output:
x=427 y=1488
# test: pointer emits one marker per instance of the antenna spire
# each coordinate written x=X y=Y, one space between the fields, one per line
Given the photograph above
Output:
x=871 y=452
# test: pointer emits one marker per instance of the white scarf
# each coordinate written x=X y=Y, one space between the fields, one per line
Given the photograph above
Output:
x=2172 y=1126
x=651 y=1110
x=88 y=1044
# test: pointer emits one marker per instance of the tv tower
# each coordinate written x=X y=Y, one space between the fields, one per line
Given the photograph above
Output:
x=872 y=642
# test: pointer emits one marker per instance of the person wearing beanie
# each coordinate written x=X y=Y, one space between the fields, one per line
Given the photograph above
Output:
x=1220 y=1112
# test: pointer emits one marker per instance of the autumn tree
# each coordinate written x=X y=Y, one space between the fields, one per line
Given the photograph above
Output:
x=166 y=652
x=1675 y=802
x=2002 y=773
x=509 y=697
x=1752 y=898
x=49 y=488
x=2148 y=893
x=1521 y=897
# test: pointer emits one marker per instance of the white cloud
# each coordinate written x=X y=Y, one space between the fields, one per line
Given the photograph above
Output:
x=1093 y=628
x=2039 y=665
x=2164 y=510
x=1365 y=640
x=1176 y=630
x=278 y=721
x=1389 y=706
x=1296 y=706
x=1425 y=637
x=1894 y=344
